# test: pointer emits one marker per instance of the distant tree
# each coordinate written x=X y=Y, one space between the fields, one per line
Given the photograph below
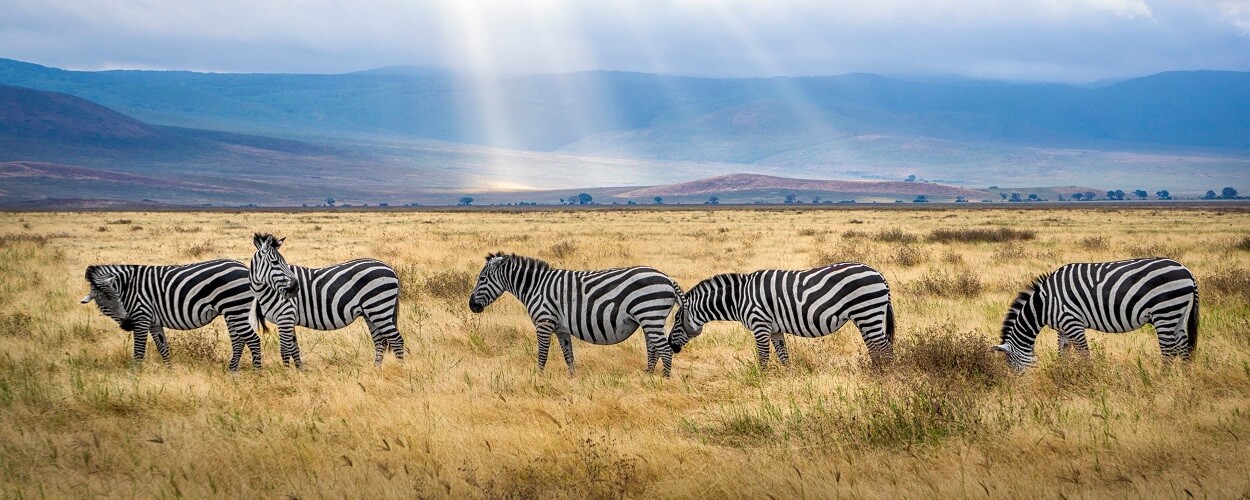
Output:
x=1090 y=196
x=1163 y=194
x=1210 y=195
x=1141 y=194
x=659 y=200
x=631 y=202
x=910 y=178
x=329 y=202
x=1119 y=194
x=1003 y=195
x=384 y=204
x=713 y=200
x=961 y=199
x=791 y=198
x=1061 y=198
x=1078 y=196
x=1015 y=198
x=561 y=201
x=992 y=187
x=584 y=199
x=1033 y=197
x=921 y=199
x=815 y=199
x=466 y=200
x=1229 y=193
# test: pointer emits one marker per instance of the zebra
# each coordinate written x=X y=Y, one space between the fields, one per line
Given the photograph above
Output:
x=1115 y=297
x=326 y=298
x=808 y=303
x=601 y=307
x=147 y=299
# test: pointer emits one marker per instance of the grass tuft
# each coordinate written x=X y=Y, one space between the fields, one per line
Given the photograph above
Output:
x=980 y=235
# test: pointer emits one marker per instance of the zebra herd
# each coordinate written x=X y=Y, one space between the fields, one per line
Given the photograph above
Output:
x=608 y=306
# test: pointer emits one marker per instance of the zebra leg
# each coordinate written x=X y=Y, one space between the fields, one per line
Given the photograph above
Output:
x=385 y=336
x=658 y=344
x=779 y=344
x=289 y=346
x=141 y=342
x=652 y=357
x=762 y=337
x=544 y=331
x=566 y=345
x=1074 y=338
x=158 y=337
x=242 y=334
x=1170 y=343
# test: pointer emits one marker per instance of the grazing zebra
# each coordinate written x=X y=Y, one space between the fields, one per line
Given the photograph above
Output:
x=326 y=298
x=811 y=303
x=147 y=299
x=1114 y=297
x=601 y=307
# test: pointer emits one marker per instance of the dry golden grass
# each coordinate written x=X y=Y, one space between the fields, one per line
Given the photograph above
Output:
x=467 y=414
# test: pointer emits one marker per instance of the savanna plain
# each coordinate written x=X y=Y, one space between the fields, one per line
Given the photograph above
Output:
x=467 y=414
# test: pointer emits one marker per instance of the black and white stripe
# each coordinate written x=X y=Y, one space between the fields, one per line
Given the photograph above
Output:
x=600 y=307
x=1114 y=297
x=810 y=303
x=326 y=298
x=148 y=299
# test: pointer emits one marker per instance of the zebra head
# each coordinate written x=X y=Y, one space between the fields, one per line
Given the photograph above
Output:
x=1020 y=329
x=106 y=292
x=269 y=268
x=682 y=330
x=490 y=283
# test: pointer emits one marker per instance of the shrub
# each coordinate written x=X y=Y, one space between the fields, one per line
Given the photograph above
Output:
x=1243 y=244
x=199 y=249
x=1094 y=243
x=940 y=351
x=119 y=222
x=998 y=234
x=1229 y=281
x=910 y=256
x=939 y=283
x=14 y=239
x=896 y=235
x=195 y=345
x=562 y=250
x=852 y=234
x=449 y=285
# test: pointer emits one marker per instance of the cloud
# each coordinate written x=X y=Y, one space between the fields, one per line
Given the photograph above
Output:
x=1069 y=40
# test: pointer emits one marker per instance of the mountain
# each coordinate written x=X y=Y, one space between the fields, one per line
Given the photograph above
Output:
x=441 y=131
x=28 y=113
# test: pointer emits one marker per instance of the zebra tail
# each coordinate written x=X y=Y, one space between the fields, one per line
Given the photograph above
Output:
x=889 y=322
x=257 y=318
x=1192 y=324
x=681 y=295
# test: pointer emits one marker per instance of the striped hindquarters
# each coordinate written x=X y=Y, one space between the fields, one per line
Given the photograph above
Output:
x=332 y=297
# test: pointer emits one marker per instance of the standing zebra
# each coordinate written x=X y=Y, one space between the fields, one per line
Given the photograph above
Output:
x=326 y=298
x=601 y=307
x=1115 y=297
x=811 y=303
x=147 y=299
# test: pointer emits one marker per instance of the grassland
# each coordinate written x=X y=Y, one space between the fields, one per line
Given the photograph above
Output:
x=467 y=414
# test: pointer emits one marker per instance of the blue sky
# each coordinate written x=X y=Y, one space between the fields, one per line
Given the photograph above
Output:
x=1028 y=40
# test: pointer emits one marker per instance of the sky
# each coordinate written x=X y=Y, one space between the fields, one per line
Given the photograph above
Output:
x=1017 y=40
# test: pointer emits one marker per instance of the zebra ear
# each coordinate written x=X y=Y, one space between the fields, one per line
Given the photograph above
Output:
x=1004 y=347
x=278 y=242
x=257 y=240
x=86 y=299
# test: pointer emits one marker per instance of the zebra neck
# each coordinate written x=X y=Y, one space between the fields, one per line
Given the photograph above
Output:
x=526 y=283
x=722 y=298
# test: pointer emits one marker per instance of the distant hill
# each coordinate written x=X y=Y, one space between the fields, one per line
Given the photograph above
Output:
x=36 y=114
x=735 y=183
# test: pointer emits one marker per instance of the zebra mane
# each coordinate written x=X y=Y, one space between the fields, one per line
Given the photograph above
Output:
x=262 y=238
x=532 y=261
x=1022 y=299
